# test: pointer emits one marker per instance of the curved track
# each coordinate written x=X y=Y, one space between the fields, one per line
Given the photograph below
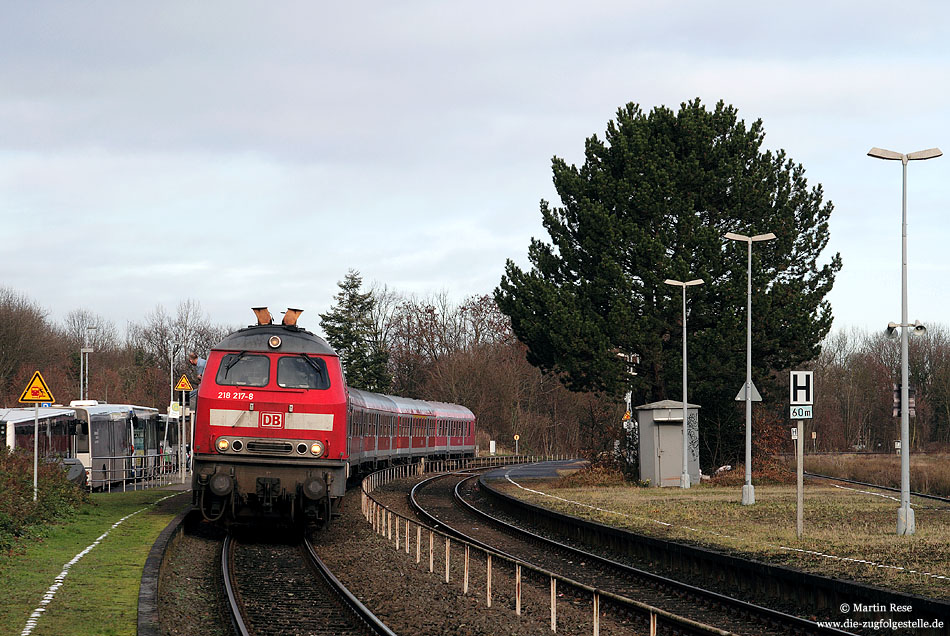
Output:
x=945 y=500
x=439 y=500
x=284 y=588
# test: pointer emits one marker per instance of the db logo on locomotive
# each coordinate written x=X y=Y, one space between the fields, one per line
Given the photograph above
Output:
x=271 y=420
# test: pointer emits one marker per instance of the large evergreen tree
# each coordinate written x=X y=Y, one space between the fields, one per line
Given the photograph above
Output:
x=351 y=330
x=652 y=201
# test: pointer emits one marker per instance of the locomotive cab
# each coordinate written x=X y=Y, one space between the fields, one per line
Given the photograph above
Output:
x=270 y=426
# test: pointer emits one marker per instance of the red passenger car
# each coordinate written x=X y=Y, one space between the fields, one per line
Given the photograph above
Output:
x=278 y=432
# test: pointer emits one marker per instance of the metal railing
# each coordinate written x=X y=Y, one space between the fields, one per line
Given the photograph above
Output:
x=133 y=472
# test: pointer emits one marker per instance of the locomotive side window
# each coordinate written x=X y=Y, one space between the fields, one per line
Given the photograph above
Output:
x=302 y=372
x=241 y=369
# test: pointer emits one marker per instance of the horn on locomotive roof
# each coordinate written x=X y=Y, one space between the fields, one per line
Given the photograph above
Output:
x=290 y=316
x=264 y=317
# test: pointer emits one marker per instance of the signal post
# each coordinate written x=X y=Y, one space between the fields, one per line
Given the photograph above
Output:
x=801 y=399
x=36 y=392
x=184 y=386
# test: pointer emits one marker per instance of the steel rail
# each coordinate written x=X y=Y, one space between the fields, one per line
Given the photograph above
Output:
x=766 y=614
x=350 y=603
x=888 y=488
x=234 y=602
x=680 y=624
x=359 y=610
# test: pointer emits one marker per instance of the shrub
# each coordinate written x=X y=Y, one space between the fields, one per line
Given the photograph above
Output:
x=603 y=471
x=57 y=497
x=769 y=474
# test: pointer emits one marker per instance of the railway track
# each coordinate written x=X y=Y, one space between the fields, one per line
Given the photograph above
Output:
x=278 y=587
x=439 y=501
x=945 y=500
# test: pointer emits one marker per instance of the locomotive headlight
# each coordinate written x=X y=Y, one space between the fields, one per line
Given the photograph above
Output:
x=274 y=342
x=222 y=444
x=316 y=448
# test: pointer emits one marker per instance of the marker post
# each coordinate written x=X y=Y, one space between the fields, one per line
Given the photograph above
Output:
x=801 y=398
x=184 y=386
x=36 y=391
x=36 y=448
x=800 y=478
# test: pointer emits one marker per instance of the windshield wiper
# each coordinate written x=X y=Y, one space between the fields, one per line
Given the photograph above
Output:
x=233 y=362
x=316 y=367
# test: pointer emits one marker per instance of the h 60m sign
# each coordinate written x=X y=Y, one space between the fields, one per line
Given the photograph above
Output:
x=801 y=388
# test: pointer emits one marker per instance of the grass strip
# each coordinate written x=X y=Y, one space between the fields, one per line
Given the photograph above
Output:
x=857 y=528
x=100 y=594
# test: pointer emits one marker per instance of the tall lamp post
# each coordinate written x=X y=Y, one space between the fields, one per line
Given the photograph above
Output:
x=684 y=478
x=748 y=491
x=84 y=352
x=905 y=514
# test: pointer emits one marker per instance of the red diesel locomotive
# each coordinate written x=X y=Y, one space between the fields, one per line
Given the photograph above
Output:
x=278 y=432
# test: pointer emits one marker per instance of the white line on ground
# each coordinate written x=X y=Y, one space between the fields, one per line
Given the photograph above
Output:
x=779 y=547
x=32 y=622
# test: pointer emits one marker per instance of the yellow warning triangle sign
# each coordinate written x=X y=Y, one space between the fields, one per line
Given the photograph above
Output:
x=36 y=390
x=183 y=384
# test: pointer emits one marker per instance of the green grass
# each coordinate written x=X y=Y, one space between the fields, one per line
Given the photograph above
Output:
x=836 y=521
x=100 y=593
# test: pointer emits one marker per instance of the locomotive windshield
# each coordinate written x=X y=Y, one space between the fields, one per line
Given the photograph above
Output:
x=241 y=369
x=302 y=372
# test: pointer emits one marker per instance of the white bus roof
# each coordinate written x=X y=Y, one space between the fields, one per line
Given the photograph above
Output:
x=27 y=414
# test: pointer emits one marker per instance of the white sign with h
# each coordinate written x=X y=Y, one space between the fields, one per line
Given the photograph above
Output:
x=802 y=388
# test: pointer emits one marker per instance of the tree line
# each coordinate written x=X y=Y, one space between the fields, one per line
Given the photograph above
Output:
x=430 y=349
x=132 y=367
x=467 y=353
x=855 y=377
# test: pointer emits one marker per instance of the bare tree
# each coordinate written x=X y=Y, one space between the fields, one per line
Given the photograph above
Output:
x=164 y=339
x=25 y=342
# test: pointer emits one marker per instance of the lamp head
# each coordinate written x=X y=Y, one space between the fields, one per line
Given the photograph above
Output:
x=881 y=153
x=919 y=329
x=891 y=331
x=930 y=153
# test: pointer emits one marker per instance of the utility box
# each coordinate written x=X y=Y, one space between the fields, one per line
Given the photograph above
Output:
x=661 y=442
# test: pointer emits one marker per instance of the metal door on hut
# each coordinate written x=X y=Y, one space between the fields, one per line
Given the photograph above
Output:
x=669 y=445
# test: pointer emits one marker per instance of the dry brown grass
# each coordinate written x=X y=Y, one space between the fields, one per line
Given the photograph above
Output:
x=592 y=477
x=837 y=522
x=773 y=474
x=929 y=474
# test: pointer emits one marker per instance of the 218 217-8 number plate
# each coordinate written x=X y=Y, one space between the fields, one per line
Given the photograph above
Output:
x=235 y=395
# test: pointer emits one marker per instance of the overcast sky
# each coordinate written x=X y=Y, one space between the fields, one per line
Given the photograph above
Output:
x=250 y=154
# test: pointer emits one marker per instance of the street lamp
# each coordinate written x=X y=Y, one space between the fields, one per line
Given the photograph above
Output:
x=84 y=352
x=748 y=491
x=172 y=351
x=684 y=478
x=905 y=514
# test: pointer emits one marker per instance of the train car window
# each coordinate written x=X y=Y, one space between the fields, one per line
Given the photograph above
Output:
x=302 y=372
x=241 y=369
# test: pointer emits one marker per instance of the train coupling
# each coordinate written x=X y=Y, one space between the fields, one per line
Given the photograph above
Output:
x=268 y=489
